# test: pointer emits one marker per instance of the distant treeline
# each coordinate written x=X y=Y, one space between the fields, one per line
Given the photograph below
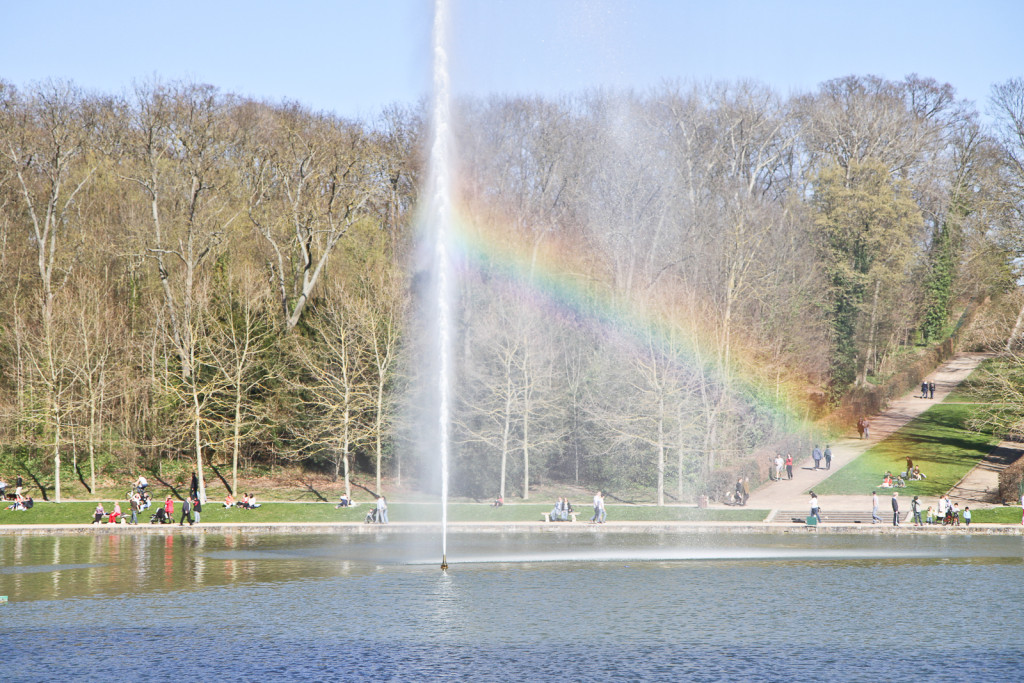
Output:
x=652 y=286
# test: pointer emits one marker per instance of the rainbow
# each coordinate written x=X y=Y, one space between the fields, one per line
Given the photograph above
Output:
x=561 y=276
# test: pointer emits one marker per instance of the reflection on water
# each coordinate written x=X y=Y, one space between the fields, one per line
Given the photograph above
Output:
x=516 y=606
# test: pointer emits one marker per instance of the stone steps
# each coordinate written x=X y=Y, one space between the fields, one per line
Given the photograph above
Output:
x=837 y=517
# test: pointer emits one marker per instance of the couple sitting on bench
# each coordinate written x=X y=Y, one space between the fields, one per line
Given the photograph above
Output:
x=561 y=511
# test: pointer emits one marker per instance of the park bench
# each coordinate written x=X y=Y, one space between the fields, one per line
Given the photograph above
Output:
x=546 y=516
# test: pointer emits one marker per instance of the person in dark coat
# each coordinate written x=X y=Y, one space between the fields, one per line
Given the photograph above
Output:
x=895 y=509
x=924 y=389
x=193 y=489
x=931 y=389
x=186 y=512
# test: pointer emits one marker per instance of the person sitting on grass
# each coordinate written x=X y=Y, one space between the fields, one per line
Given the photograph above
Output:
x=343 y=502
x=498 y=502
x=97 y=514
x=229 y=501
x=887 y=481
x=249 y=501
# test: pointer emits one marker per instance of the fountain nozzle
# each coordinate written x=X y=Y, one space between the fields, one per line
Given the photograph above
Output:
x=444 y=563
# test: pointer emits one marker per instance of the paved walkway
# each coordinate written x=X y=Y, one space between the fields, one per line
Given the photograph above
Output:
x=792 y=494
x=980 y=486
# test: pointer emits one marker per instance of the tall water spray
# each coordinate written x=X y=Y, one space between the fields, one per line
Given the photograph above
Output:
x=440 y=217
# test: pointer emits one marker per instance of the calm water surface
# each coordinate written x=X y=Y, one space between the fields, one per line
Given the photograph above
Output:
x=513 y=607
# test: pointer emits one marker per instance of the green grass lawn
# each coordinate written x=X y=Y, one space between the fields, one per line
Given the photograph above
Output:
x=938 y=443
x=81 y=513
x=1000 y=515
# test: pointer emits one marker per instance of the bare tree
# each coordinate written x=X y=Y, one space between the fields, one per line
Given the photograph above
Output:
x=310 y=178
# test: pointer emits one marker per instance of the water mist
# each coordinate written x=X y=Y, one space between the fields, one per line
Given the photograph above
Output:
x=439 y=217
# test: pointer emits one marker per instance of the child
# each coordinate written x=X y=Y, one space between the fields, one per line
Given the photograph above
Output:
x=967 y=515
x=931 y=519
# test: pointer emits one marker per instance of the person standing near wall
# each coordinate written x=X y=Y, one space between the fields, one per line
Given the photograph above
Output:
x=895 y=509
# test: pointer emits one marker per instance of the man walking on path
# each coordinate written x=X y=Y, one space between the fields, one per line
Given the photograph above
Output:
x=599 y=513
x=924 y=389
x=931 y=389
x=186 y=512
x=895 y=509
x=816 y=454
x=828 y=457
x=875 y=519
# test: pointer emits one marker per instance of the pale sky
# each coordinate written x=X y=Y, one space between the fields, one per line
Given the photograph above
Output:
x=354 y=57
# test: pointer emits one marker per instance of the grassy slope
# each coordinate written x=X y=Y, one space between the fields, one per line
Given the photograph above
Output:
x=938 y=443
x=81 y=512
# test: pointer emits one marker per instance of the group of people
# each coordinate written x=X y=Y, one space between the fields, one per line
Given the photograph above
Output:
x=818 y=456
x=927 y=389
x=248 y=501
x=863 y=428
x=379 y=512
x=742 y=491
x=560 y=513
x=948 y=512
x=19 y=501
x=775 y=471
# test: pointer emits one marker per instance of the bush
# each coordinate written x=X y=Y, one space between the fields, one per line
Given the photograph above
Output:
x=1009 y=482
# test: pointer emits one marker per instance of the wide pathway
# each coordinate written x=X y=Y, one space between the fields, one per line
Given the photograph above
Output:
x=792 y=494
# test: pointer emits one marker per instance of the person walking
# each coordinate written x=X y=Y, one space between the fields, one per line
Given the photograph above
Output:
x=197 y=508
x=193 y=489
x=789 y=465
x=924 y=389
x=134 y=504
x=910 y=467
x=875 y=519
x=382 y=510
x=746 y=490
x=860 y=428
x=814 y=507
x=816 y=454
x=828 y=457
x=915 y=507
x=186 y=512
x=778 y=466
x=931 y=389
x=895 y=508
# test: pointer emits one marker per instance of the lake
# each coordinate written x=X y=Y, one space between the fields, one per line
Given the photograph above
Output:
x=513 y=606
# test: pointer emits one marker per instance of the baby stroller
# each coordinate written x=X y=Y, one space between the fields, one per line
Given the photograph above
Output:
x=371 y=516
x=161 y=517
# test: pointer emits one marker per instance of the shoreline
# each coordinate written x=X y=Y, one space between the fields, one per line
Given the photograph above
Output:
x=360 y=528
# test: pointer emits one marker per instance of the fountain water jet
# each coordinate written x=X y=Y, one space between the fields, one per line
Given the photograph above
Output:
x=439 y=214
